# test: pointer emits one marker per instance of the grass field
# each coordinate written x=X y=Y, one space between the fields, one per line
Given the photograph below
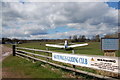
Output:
x=16 y=67
x=27 y=69
x=93 y=48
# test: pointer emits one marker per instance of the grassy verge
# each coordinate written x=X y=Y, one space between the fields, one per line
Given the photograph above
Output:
x=20 y=68
x=27 y=69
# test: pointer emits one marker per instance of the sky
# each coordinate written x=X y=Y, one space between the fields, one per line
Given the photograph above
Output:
x=58 y=20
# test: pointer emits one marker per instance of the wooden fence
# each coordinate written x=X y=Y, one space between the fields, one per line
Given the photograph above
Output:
x=20 y=51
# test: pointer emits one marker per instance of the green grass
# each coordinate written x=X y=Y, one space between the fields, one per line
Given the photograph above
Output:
x=36 y=71
x=17 y=65
x=27 y=69
x=93 y=48
x=8 y=45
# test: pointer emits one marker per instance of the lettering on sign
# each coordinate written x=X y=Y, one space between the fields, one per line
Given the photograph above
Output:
x=78 y=60
x=100 y=63
x=105 y=64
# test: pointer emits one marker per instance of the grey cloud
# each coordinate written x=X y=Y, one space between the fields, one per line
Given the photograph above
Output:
x=34 y=19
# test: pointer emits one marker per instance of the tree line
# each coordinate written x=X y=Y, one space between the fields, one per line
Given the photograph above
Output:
x=74 y=38
x=83 y=38
x=95 y=38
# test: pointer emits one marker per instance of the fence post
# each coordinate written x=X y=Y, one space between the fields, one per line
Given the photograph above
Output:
x=14 y=46
x=34 y=57
x=73 y=52
x=47 y=54
x=47 y=49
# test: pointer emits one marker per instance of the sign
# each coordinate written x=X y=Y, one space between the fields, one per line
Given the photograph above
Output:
x=72 y=59
x=110 y=43
x=96 y=62
x=106 y=64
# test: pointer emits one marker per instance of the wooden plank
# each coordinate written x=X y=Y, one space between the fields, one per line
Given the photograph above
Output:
x=32 y=57
x=34 y=54
x=34 y=49
x=46 y=51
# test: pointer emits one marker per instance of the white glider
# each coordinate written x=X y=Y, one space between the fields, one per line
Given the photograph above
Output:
x=65 y=46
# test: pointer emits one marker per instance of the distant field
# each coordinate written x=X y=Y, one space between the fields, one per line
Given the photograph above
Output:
x=93 y=48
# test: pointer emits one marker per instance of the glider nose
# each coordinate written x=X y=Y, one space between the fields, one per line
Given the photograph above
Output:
x=65 y=46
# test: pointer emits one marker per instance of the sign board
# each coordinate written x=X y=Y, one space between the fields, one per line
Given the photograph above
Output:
x=110 y=43
x=95 y=62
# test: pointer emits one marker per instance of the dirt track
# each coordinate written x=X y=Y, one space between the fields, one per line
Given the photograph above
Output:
x=4 y=52
x=6 y=72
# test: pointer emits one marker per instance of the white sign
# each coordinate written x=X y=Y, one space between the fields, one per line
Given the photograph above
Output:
x=97 y=62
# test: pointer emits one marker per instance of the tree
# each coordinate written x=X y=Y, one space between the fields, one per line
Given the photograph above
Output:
x=15 y=40
x=79 y=38
x=108 y=36
x=75 y=39
x=6 y=40
x=70 y=37
x=119 y=35
x=83 y=38
x=97 y=38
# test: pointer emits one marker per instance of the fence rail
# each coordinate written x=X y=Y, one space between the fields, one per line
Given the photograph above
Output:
x=24 y=54
x=20 y=51
x=34 y=49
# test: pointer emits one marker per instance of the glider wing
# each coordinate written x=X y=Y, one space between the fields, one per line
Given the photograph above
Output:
x=52 y=45
x=77 y=45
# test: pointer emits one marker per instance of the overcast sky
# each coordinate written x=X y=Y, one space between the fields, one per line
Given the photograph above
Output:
x=39 y=20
